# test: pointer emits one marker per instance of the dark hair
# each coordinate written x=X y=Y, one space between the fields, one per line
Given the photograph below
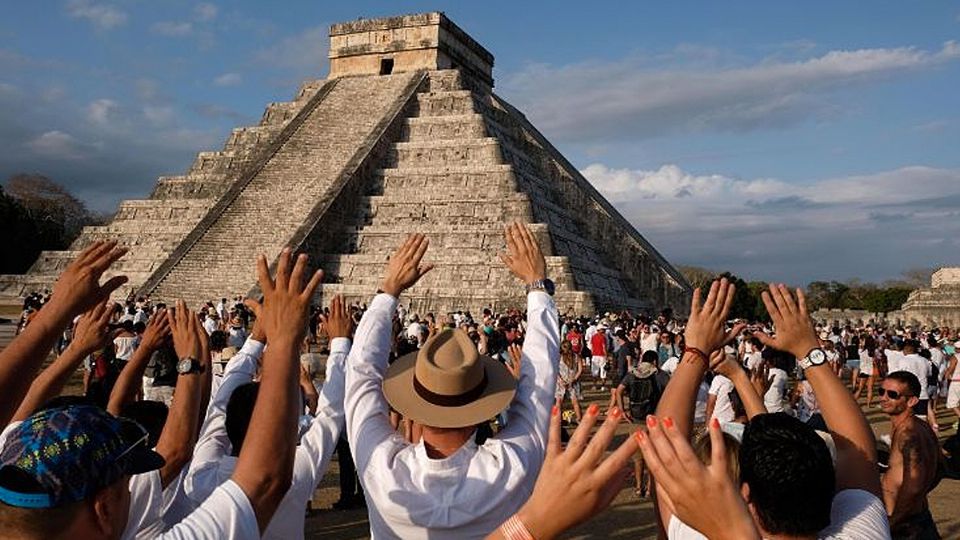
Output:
x=218 y=340
x=152 y=415
x=650 y=357
x=790 y=474
x=127 y=325
x=907 y=378
x=139 y=327
x=239 y=410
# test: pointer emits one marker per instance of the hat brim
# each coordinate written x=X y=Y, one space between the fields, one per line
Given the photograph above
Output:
x=399 y=391
x=143 y=460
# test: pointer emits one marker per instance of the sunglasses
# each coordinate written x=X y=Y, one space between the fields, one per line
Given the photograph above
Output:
x=892 y=394
x=137 y=433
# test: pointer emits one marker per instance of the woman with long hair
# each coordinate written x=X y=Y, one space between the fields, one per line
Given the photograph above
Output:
x=568 y=378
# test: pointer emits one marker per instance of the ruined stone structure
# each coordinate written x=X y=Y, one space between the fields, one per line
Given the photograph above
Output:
x=937 y=305
x=405 y=135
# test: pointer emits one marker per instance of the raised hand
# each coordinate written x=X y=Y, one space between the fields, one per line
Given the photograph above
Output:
x=92 y=331
x=703 y=496
x=186 y=342
x=523 y=257
x=760 y=378
x=724 y=364
x=158 y=328
x=78 y=288
x=794 y=329
x=404 y=268
x=576 y=483
x=705 y=328
x=516 y=355
x=286 y=299
x=338 y=324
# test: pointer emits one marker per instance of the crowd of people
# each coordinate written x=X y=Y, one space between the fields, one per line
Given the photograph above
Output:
x=214 y=422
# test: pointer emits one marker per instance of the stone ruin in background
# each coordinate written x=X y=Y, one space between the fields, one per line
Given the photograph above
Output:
x=404 y=135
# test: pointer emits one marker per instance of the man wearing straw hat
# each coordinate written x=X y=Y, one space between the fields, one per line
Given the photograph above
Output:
x=448 y=486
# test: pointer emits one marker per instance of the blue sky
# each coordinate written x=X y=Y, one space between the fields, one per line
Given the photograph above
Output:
x=789 y=141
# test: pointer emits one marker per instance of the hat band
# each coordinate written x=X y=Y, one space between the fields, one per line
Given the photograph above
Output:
x=446 y=400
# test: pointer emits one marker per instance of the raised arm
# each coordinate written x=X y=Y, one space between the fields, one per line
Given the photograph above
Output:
x=131 y=377
x=77 y=290
x=179 y=435
x=703 y=335
x=856 y=447
x=91 y=334
x=367 y=412
x=265 y=466
x=725 y=365
x=528 y=414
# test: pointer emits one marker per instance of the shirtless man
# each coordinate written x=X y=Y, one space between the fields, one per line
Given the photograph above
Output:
x=914 y=456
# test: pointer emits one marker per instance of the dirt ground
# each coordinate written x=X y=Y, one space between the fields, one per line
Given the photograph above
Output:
x=628 y=517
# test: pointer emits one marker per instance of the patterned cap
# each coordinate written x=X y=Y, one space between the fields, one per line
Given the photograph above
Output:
x=65 y=454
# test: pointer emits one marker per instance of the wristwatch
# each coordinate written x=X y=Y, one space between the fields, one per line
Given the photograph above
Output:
x=188 y=365
x=544 y=285
x=816 y=357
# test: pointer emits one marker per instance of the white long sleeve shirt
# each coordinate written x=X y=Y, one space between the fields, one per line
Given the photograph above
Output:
x=213 y=465
x=470 y=493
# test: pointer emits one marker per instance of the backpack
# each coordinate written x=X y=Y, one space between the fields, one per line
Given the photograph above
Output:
x=644 y=395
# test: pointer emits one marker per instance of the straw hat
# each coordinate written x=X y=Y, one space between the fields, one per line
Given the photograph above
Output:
x=448 y=384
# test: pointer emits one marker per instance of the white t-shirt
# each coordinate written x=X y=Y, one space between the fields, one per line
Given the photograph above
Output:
x=670 y=365
x=919 y=366
x=854 y=515
x=723 y=408
x=146 y=501
x=773 y=399
x=700 y=408
x=752 y=360
x=225 y=514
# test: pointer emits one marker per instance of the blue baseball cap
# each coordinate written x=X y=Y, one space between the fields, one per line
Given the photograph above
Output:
x=66 y=454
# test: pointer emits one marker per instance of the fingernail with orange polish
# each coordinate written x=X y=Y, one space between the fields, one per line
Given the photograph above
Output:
x=615 y=412
x=652 y=421
x=593 y=409
x=668 y=422
x=554 y=411
x=715 y=423
x=638 y=435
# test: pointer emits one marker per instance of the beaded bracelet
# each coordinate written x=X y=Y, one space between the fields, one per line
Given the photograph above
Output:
x=697 y=352
x=514 y=529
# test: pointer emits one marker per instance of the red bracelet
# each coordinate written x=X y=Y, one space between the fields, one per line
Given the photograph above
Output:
x=514 y=529
x=697 y=352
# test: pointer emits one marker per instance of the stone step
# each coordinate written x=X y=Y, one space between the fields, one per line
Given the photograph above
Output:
x=191 y=187
x=463 y=209
x=451 y=102
x=457 y=127
x=422 y=299
x=164 y=210
x=485 y=151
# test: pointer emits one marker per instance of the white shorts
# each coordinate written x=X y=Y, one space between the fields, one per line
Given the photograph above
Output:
x=953 y=395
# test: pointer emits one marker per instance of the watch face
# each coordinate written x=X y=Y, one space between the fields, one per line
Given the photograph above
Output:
x=817 y=357
x=184 y=365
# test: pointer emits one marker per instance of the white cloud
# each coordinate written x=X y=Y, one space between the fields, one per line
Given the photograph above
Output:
x=173 y=29
x=872 y=226
x=102 y=111
x=158 y=114
x=56 y=145
x=103 y=16
x=228 y=79
x=633 y=99
x=205 y=11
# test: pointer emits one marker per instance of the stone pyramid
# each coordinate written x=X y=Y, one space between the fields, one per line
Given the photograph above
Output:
x=405 y=135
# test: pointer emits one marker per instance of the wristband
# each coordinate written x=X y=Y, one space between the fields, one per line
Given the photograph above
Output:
x=514 y=529
x=697 y=352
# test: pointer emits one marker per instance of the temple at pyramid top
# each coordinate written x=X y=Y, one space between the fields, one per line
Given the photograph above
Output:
x=405 y=135
x=426 y=41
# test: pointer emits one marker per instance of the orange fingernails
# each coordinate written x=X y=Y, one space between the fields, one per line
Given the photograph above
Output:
x=715 y=423
x=554 y=411
x=593 y=409
x=614 y=412
x=652 y=421
x=668 y=422
x=638 y=435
